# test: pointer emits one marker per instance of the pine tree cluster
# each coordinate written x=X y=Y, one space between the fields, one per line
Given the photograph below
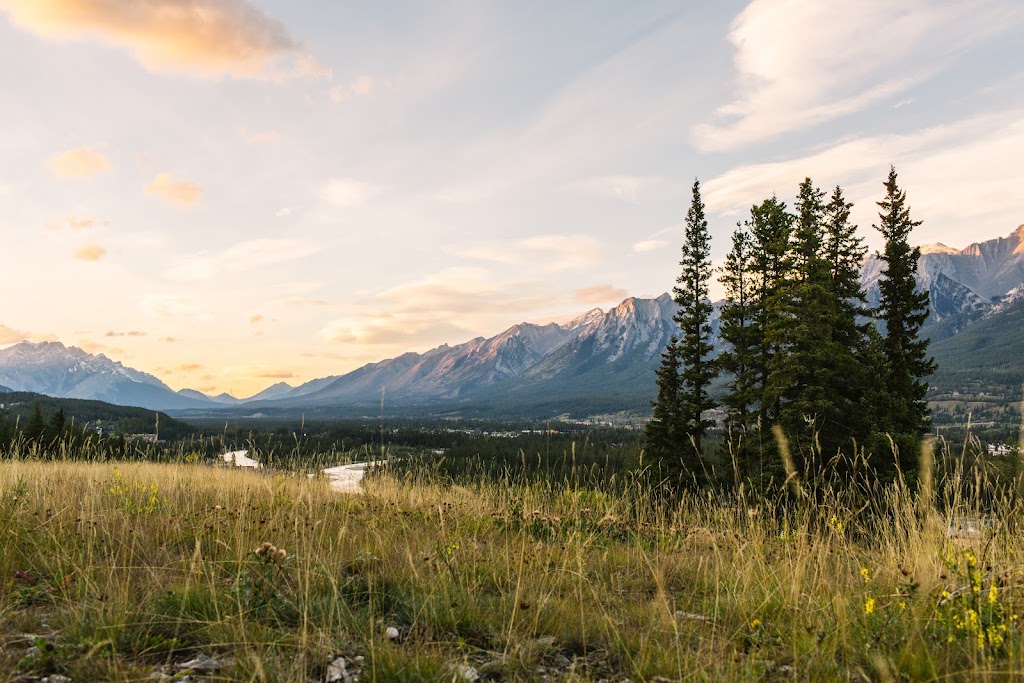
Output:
x=800 y=349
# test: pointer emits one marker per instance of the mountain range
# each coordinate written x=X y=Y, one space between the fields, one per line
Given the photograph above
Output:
x=602 y=361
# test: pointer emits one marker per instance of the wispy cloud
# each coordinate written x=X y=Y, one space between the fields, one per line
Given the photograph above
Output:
x=91 y=346
x=78 y=163
x=301 y=301
x=89 y=252
x=211 y=38
x=179 y=192
x=168 y=306
x=649 y=245
x=255 y=319
x=9 y=335
x=966 y=173
x=453 y=304
x=71 y=223
x=361 y=87
x=273 y=374
x=598 y=294
x=348 y=192
x=801 y=62
x=238 y=258
x=550 y=253
x=624 y=187
x=130 y=333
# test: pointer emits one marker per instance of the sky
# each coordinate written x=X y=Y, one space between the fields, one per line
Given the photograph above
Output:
x=233 y=193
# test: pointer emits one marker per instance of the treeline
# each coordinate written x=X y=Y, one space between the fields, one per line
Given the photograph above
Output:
x=594 y=456
x=817 y=383
x=60 y=427
x=19 y=406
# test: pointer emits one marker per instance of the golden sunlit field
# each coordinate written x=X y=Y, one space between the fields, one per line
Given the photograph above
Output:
x=132 y=572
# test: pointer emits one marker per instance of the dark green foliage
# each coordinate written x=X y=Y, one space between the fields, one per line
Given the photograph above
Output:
x=662 y=436
x=770 y=226
x=55 y=430
x=35 y=429
x=801 y=377
x=694 y=319
x=820 y=376
x=903 y=311
x=985 y=357
x=687 y=371
x=600 y=457
x=738 y=360
x=72 y=427
x=800 y=348
x=853 y=372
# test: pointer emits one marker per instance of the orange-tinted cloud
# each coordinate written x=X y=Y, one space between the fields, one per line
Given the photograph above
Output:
x=211 y=38
x=179 y=192
x=90 y=346
x=275 y=374
x=9 y=335
x=599 y=294
x=296 y=301
x=78 y=163
x=90 y=252
x=188 y=367
x=256 y=319
x=71 y=223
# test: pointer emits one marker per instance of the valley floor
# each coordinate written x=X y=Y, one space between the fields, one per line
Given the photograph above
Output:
x=131 y=572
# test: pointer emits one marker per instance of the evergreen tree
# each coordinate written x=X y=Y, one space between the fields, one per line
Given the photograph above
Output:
x=852 y=377
x=771 y=226
x=694 y=319
x=803 y=322
x=56 y=427
x=662 y=432
x=36 y=427
x=903 y=311
x=738 y=334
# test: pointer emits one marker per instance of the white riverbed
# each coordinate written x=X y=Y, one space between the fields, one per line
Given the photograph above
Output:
x=241 y=459
x=343 y=478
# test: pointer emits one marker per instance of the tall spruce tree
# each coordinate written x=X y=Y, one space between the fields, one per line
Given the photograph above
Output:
x=903 y=310
x=737 y=331
x=845 y=252
x=56 y=427
x=771 y=227
x=36 y=427
x=738 y=334
x=662 y=432
x=802 y=376
x=694 y=319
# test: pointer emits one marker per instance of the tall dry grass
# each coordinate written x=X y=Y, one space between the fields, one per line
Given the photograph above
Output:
x=119 y=569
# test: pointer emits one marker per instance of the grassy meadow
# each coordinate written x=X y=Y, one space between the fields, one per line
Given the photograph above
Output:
x=120 y=571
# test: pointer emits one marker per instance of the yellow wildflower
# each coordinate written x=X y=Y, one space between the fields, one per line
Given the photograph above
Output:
x=865 y=574
x=869 y=606
x=755 y=623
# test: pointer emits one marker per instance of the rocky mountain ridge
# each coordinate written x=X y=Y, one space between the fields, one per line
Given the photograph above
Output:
x=600 y=353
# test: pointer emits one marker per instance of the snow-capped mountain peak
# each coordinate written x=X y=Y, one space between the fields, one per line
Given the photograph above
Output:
x=69 y=372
